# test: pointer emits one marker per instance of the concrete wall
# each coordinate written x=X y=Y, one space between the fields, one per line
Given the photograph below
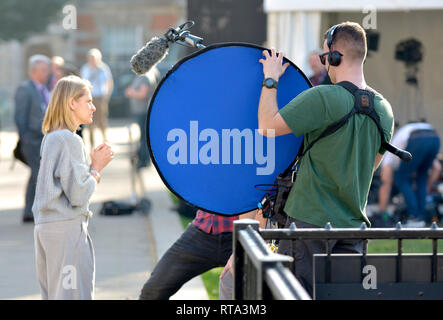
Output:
x=152 y=17
x=10 y=75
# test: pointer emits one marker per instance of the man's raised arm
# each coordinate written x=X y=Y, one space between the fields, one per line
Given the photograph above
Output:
x=268 y=116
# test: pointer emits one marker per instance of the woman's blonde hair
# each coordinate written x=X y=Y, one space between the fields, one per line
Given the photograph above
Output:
x=58 y=114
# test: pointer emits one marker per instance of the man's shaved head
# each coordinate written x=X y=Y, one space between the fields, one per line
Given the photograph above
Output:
x=350 y=38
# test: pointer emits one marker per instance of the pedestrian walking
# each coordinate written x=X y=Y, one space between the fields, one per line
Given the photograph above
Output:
x=31 y=101
x=100 y=76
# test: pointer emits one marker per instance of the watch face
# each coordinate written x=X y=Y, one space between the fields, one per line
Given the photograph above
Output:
x=269 y=83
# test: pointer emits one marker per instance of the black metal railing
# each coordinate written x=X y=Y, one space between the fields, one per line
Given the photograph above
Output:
x=363 y=233
x=254 y=261
x=260 y=274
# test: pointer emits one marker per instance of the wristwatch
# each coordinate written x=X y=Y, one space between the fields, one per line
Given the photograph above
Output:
x=96 y=175
x=270 y=83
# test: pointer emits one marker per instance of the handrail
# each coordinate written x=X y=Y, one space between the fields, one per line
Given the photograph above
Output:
x=270 y=277
x=433 y=232
x=261 y=274
x=363 y=233
x=283 y=284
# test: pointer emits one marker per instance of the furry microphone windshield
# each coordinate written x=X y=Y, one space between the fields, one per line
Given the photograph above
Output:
x=152 y=53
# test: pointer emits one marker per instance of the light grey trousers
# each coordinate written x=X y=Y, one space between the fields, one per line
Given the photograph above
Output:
x=65 y=260
x=226 y=287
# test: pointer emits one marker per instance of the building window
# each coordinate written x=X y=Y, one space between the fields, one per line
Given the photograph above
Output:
x=119 y=43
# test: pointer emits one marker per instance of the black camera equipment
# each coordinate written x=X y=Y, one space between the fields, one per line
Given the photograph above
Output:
x=372 y=40
x=410 y=52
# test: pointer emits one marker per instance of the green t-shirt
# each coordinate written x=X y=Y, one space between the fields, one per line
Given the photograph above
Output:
x=334 y=177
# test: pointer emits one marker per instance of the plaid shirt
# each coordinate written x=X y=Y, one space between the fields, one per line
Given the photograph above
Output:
x=212 y=223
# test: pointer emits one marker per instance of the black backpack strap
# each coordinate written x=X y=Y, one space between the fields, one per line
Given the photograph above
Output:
x=330 y=130
x=340 y=123
x=352 y=88
x=294 y=163
x=364 y=104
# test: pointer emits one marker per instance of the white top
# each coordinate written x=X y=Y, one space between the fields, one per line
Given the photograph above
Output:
x=64 y=184
x=400 y=140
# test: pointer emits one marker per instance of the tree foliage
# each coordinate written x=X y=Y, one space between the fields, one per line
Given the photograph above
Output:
x=21 y=18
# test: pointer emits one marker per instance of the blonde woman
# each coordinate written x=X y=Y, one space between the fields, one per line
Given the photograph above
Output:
x=64 y=252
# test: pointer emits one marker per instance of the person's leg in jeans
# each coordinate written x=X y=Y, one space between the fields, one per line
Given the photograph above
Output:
x=99 y=114
x=432 y=146
x=32 y=155
x=143 y=154
x=403 y=178
x=421 y=149
x=194 y=253
x=101 y=118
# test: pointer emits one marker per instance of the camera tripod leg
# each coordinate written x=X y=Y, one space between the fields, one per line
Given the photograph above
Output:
x=133 y=166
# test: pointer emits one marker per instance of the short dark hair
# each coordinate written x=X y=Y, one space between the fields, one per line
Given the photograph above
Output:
x=352 y=36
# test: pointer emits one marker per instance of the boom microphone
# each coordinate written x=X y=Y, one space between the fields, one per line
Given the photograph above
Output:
x=156 y=50
x=152 y=53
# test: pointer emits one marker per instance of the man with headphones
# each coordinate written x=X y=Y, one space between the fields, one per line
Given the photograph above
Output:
x=334 y=176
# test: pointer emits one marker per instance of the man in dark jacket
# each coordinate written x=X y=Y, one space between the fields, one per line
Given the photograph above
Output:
x=31 y=101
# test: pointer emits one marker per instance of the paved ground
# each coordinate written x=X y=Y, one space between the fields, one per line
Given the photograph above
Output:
x=126 y=247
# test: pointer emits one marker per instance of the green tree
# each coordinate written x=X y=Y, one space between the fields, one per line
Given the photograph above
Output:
x=21 y=18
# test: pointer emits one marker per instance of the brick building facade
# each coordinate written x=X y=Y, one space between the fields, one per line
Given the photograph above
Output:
x=117 y=27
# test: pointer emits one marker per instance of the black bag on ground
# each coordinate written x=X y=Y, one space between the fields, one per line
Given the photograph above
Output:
x=113 y=208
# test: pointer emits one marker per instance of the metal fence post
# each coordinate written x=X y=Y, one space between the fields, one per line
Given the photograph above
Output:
x=239 y=256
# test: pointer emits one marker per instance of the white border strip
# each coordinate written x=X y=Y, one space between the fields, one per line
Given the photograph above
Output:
x=350 y=5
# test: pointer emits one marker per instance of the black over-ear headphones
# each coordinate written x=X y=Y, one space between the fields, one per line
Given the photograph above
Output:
x=334 y=57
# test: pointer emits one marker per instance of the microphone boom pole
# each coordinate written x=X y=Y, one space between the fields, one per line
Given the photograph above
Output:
x=157 y=48
x=182 y=36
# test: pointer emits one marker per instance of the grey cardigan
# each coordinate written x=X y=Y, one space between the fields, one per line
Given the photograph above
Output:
x=64 y=184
